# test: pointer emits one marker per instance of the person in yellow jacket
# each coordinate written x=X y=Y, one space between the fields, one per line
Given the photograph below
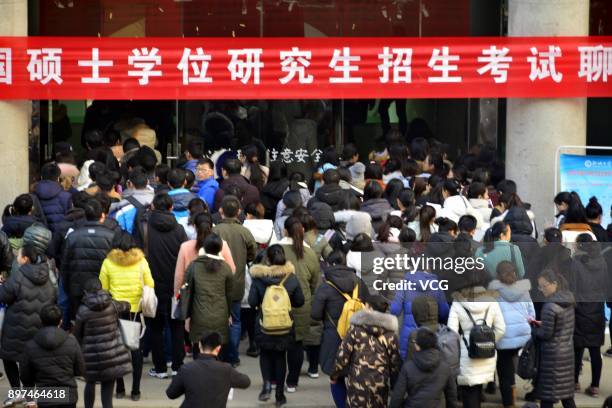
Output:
x=124 y=271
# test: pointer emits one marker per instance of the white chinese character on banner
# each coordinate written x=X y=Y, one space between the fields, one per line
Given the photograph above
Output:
x=295 y=62
x=198 y=63
x=45 y=65
x=301 y=155
x=273 y=155
x=317 y=155
x=144 y=60
x=441 y=62
x=95 y=63
x=245 y=63
x=595 y=63
x=286 y=155
x=543 y=64
x=341 y=63
x=497 y=62
x=400 y=59
x=5 y=66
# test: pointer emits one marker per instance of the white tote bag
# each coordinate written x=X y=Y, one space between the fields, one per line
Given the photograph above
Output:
x=148 y=301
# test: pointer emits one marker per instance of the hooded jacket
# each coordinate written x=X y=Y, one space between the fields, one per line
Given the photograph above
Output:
x=55 y=202
x=327 y=306
x=333 y=195
x=250 y=193
x=125 y=212
x=591 y=284
x=369 y=357
x=181 y=198
x=124 y=273
x=522 y=230
x=555 y=379
x=425 y=314
x=52 y=358
x=207 y=190
x=482 y=206
x=264 y=276
x=517 y=308
x=97 y=330
x=84 y=251
x=478 y=301
x=15 y=225
x=402 y=304
x=379 y=209
x=75 y=217
x=422 y=382
x=553 y=256
x=25 y=293
x=456 y=206
x=271 y=194
x=165 y=236
x=211 y=296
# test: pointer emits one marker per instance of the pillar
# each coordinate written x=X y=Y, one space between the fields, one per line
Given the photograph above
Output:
x=536 y=127
x=14 y=115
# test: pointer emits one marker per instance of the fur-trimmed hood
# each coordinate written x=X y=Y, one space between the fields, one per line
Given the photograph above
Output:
x=121 y=258
x=475 y=299
x=371 y=320
x=271 y=271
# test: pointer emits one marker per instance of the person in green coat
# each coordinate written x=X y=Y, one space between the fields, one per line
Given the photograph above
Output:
x=497 y=247
x=243 y=248
x=308 y=271
x=211 y=282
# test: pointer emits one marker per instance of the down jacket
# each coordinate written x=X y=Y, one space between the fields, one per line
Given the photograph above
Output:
x=556 y=369
x=97 y=330
x=121 y=275
x=264 y=276
x=54 y=200
x=369 y=358
x=327 y=306
x=52 y=359
x=26 y=292
x=84 y=251
x=402 y=304
x=517 y=308
x=477 y=301
x=379 y=209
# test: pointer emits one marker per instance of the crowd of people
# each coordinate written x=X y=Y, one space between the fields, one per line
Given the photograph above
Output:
x=237 y=246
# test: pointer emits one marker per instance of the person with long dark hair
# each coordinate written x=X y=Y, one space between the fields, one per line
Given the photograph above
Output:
x=562 y=201
x=308 y=272
x=255 y=172
x=17 y=217
x=406 y=206
x=576 y=221
x=276 y=270
x=497 y=247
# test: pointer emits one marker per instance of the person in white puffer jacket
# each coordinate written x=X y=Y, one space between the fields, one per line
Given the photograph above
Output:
x=473 y=373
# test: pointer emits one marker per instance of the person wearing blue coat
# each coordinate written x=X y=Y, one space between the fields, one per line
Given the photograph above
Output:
x=54 y=200
x=517 y=310
x=423 y=282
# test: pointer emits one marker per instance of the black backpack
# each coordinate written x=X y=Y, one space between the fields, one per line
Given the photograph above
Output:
x=141 y=223
x=482 y=338
x=527 y=367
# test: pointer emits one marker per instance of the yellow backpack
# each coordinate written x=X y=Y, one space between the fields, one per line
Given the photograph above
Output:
x=351 y=305
x=276 y=310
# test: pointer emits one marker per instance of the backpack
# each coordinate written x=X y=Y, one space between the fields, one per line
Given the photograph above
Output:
x=276 y=310
x=449 y=345
x=527 y=367
x=482 y=338
x=352 y=304
x=140 y=226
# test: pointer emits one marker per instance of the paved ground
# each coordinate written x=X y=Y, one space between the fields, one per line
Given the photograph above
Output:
x=311 y=393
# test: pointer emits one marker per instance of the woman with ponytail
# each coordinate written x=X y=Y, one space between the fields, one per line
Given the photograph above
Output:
x=594 y=212
x=256 y=173
x=497 y=247
x=308 y=272
x=576 y=222
x=424 y=226
x=17 y=217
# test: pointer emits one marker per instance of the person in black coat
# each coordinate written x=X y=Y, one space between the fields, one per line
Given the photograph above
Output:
x=97 y=330
x=25 y=293
x=273 y=357
x=426 y=377
x=591 y=274
x=162 y=242
x=554 y=335
x=53 y=358
x=84 y=251
x=206 y=378
x=6 y=253
x=232 y=177
x=18 y=216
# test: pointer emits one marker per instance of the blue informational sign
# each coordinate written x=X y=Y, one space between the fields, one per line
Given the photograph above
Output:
x=588 y=176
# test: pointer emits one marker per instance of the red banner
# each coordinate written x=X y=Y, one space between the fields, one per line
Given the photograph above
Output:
x=304 y=68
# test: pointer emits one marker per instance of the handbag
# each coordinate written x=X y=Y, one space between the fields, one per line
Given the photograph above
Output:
x=148 y=301
x=131 y=331
x=181 y=305
x=2 y=313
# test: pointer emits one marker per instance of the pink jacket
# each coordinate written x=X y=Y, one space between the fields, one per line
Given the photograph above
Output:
x=187 y=254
